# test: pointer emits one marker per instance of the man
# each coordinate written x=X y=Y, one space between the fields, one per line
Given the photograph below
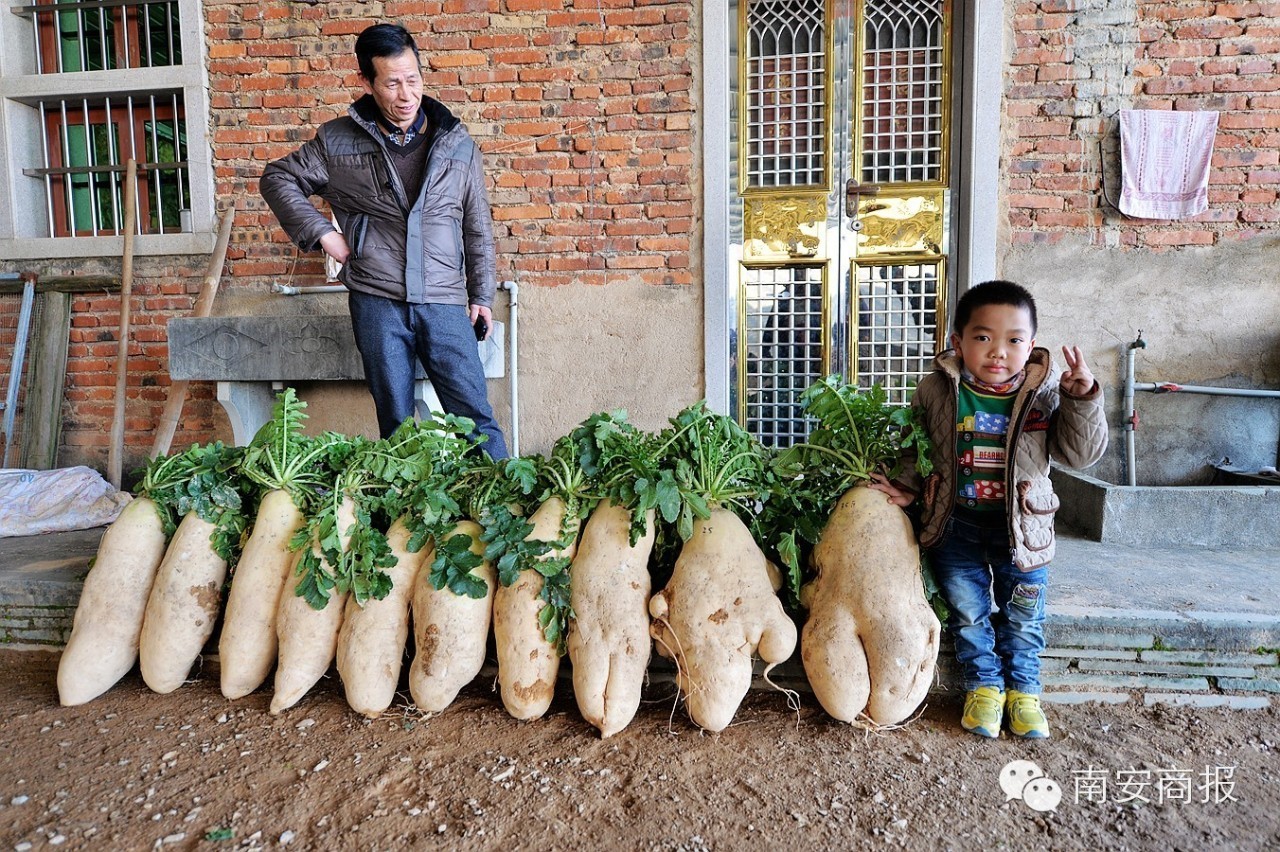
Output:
x=405 y=181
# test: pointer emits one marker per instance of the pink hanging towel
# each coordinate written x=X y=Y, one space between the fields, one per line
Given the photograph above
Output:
x=1165 y=159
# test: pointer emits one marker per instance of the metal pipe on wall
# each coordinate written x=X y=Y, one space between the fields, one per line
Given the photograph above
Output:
x=1131 y=386
x=290 y=290
x=1175 y=387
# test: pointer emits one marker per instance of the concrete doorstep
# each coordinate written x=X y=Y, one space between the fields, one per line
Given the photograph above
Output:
x=1206 y=634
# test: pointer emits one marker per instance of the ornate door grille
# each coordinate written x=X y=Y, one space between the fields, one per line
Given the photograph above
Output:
x=842 y=115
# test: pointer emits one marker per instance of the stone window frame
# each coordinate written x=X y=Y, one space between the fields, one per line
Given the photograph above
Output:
x=24 y=236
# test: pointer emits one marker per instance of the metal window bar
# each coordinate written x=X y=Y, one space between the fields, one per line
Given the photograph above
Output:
x=155 y=148
x=781 y=344
x=91 y=154
x=66 y=148
x=103 y=31
x=81 y=42
x=113 y=177
x=144 y=25
x=180 y=153
x=35 y=32
x=785 y=125
x=124 y=38
x=48 y=179
x=902 y=92
x=896 y=321
x=129 y=21
x=102 y=167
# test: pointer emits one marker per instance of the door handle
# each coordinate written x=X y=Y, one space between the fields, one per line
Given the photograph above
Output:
x=852 y=190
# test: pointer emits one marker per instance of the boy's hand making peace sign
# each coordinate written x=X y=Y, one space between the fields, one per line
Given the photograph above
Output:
x=1077 y=379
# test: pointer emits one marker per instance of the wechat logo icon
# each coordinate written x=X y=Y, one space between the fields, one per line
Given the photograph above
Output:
x=1022 y=779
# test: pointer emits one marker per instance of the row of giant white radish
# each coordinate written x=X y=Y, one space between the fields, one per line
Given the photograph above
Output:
x=557 y=560
x=150 y=599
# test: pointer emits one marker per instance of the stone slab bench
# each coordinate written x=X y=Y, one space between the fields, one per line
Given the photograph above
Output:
x=254 y=357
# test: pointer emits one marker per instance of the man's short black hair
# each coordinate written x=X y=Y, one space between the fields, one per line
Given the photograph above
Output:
x=382 y=40
x=993 y=293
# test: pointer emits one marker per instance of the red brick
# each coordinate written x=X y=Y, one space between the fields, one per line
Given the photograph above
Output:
x=1041 y=56
x=1178 y=237
x=1178 y=85
x=1171 y=49
x=1165 y=11
x=1214 y=30
x=651 y=261
x=1035 y=202
x=1237 y=10
x=472 y=59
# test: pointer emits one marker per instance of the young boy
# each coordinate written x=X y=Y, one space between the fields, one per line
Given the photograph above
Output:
x=996 y=408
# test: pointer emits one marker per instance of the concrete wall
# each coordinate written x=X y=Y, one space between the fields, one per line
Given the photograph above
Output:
x=585 y=349
x=1202 y=288
x=1209 y=317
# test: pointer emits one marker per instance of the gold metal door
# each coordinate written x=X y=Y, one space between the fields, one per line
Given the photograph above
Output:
x=840 y=222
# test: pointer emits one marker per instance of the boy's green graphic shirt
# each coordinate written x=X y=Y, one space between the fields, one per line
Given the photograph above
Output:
x=981 y=434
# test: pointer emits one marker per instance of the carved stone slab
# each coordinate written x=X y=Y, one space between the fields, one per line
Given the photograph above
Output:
x=282 y=349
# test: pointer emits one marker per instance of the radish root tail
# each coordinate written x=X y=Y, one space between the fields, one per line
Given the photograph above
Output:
x=677 y=654
x=793 y=697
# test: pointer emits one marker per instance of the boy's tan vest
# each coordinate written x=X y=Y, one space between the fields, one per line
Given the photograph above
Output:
x=1076 y=437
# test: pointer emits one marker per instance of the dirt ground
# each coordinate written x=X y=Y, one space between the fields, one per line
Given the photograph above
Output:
x=191 y=770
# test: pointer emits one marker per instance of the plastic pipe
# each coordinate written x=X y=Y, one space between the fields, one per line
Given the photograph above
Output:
x=290 y=290
x=1131 y=417
x=513 y=291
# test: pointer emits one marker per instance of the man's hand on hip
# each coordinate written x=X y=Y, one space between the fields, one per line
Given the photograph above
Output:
x=335 y=245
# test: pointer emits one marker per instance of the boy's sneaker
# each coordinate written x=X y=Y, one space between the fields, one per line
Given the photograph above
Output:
x=983 y=709
x=1026 y=718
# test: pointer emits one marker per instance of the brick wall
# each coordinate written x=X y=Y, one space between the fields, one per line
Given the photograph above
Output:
x=163 y=287
x=1075 y=63
x=584 y=112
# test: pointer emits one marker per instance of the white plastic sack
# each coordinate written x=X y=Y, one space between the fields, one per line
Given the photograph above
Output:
x=71 y=498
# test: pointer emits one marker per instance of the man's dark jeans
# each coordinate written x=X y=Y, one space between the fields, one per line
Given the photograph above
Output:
x=391 y=335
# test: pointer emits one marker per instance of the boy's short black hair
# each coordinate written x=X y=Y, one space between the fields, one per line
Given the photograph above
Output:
x=381 y=40
x=993 y=293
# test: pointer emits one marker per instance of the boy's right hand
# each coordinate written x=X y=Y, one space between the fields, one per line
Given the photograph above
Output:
x=897 y=496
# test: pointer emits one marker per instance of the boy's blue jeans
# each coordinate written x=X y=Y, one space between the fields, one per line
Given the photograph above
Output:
x=391 y=335
x=997 y=647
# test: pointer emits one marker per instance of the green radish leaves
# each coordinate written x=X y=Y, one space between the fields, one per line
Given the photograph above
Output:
x=281 y=457
x=856 y=433
x=206 y=480
x=411 y=473
x=715 y=461
x=506 y=545
x=555 y=615
x=454 y=561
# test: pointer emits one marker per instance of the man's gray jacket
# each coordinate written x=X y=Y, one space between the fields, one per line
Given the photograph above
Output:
x=437 y=248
